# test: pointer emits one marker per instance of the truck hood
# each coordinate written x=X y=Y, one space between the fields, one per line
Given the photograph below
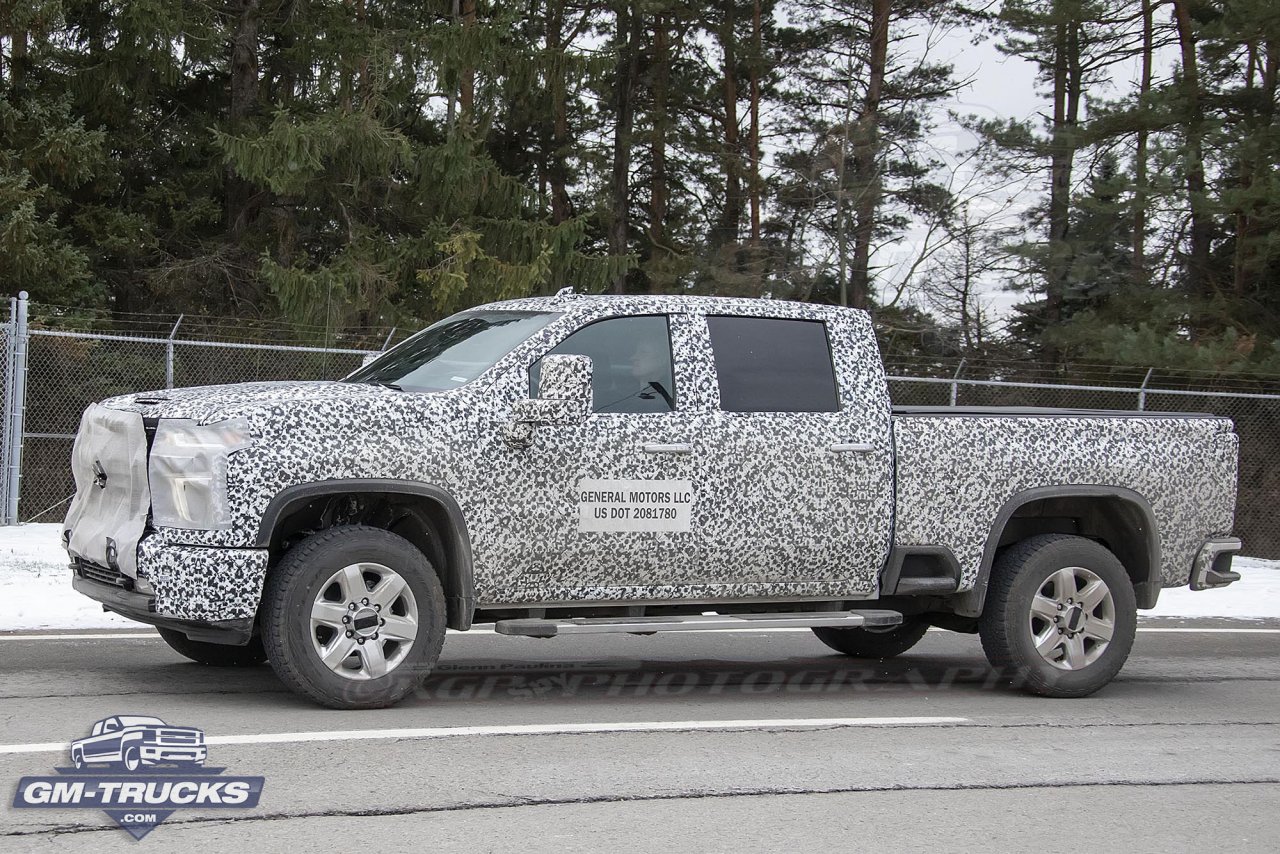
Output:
x=206 y=404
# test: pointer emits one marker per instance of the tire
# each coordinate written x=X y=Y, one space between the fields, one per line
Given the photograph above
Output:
x=215 y=654
x=886 y=642
x=132 y=759
x=345 y=647
x=77 y=758
x=1082 y=644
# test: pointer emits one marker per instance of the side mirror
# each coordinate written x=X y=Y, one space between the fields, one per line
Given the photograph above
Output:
x=567 y=379
x=564 y=397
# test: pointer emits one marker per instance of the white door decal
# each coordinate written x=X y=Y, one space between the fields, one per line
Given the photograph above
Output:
x=634 y=505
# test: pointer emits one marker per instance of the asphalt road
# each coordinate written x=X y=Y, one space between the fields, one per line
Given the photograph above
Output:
x=742 y=741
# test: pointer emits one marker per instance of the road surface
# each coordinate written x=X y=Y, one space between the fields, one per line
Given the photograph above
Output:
x=724 y=741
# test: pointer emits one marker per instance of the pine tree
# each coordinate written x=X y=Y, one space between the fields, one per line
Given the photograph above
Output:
x=859 y=115
x=380 y=209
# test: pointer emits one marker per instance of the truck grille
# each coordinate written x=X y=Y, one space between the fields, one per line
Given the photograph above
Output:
x=102 y=574
x=178 y=736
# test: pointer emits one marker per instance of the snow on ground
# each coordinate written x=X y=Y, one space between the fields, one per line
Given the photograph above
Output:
x=35 y=584
x=35 y=588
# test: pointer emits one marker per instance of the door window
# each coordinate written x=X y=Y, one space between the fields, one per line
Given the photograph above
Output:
x=766 y=364
x=630 y=360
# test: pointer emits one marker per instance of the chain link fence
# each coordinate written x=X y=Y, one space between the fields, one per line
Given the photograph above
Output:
x=67 y=369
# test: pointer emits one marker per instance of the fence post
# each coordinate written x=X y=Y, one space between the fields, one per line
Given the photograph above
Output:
x=17 y=408
x=168 y=353
x=387 y=343
x=1142 y=391
x=955 y=385
x=9 y=345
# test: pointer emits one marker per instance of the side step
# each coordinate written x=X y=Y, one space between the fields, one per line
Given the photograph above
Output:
x=540 y=628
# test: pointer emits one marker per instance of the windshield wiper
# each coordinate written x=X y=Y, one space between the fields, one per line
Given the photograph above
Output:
x=385 y=384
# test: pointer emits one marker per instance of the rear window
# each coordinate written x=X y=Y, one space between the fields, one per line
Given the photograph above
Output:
x=766 y=364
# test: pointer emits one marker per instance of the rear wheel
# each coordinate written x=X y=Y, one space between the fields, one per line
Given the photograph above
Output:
x=353 y=618
x=215 y=654
x=1060 y=615
x=874 y=642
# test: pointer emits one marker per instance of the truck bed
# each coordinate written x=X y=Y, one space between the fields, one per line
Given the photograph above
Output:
x=958 y=468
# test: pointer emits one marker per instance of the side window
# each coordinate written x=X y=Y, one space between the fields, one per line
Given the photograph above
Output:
x=765 y=364
x=631 y=363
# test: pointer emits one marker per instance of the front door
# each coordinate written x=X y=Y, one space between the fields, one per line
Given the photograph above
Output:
x=602 y=509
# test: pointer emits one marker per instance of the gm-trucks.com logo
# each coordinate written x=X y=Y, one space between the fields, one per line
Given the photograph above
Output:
x=138 y=770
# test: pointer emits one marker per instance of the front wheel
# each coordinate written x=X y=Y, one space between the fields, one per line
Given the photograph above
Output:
x=1060 y=615
x=353 y=617
x=132 y=759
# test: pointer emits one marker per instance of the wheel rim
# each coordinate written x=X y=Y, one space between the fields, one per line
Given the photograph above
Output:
x=364 y=621
x=1073 y=617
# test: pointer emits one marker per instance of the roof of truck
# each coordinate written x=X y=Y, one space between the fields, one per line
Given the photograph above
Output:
x=639 y=303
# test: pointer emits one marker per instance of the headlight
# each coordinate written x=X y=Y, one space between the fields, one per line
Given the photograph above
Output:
x=188 y=472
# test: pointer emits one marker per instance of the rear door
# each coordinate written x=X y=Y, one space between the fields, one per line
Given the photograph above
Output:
x=796 y=466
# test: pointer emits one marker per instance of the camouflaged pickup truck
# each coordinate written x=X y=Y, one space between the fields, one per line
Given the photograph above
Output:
x=579 y=464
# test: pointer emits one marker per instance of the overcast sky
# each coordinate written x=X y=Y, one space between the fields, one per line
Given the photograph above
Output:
x=1000 y=87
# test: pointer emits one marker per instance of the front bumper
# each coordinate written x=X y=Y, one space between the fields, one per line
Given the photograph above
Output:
x=1212 y=567
x=209 y=594
x=169 y=753
x=142 y=607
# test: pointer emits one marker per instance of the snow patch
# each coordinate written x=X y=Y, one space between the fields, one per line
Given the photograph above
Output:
x=35 y=584
x=35 y=588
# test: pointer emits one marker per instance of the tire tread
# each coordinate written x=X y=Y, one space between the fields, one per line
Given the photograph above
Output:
x=274 y=618
x=995 y=629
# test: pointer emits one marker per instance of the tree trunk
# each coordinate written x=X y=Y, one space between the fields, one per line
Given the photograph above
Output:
x=1260 y=84
x=244 y=97
x=966 y=285
x=659 y=191
x=727 y=230
x=17 y=58
x=1064 y=140
x=627 y=69
x=753 y=180
x=1140 y=181
x=1199 y=272
x=451 y=110
x=557 y=171
x=467 y=77
x=867 y=158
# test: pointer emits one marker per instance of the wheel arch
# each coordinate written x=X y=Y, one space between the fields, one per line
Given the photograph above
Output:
x=1119 y=518
x=425 y=514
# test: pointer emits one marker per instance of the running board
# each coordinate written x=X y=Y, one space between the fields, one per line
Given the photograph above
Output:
x=540 y=628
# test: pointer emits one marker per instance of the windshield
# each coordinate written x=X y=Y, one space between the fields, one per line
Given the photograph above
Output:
x=452 y=352
x=139 y=720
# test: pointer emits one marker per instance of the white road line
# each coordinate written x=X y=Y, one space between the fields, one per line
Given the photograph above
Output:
x=1209 y=631
x=533 y=729
x=112 y=636
x=1176 y=630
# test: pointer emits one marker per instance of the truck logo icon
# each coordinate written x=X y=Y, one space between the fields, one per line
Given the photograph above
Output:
x=139 y=770
x=133 y=741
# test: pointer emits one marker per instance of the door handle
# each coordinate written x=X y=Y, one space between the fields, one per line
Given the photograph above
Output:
x=854 y=447
x=678 y=448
